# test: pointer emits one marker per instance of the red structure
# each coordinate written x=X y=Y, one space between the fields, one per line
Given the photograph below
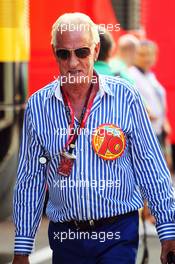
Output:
x=156 y=17
x=159 y=26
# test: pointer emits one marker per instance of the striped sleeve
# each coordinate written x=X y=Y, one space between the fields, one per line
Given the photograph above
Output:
x=151 y=172
x=29 y=190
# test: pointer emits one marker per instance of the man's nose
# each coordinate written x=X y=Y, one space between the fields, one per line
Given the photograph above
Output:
x=73 y=60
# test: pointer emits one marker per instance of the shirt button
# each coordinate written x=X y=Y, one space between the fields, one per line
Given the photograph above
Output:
x=43 y=160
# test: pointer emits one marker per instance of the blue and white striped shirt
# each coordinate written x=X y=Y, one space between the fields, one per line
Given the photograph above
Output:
x=139 y=173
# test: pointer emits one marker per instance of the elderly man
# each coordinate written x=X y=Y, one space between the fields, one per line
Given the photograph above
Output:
x=98 y=170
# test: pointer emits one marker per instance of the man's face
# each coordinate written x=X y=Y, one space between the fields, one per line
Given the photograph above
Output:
x=130 y=54
x=145 y=57
x=75 y=67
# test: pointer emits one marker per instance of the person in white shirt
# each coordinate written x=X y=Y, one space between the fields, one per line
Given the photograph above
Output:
x=151 y=90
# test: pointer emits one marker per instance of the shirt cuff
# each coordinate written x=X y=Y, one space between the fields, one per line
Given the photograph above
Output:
x=23 y=245
x=166 y=231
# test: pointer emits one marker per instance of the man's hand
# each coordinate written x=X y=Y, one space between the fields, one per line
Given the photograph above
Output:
x=167 y=246
x=19 y=259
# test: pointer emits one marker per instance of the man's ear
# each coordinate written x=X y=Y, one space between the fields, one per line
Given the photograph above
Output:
x=97 y=50
x=53 y=50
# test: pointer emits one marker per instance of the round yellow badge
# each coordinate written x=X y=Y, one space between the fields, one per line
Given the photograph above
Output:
x=109 y=141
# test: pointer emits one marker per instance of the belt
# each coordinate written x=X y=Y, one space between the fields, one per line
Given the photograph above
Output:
x=93 y=224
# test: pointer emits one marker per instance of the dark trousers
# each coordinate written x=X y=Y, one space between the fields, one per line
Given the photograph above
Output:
x=115 y=243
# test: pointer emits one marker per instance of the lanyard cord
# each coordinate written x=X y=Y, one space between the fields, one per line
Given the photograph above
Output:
x=71 y=114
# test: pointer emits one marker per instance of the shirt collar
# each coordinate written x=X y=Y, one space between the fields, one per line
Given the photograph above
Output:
x=103 y=88
x=140 y=69
x=58 y=93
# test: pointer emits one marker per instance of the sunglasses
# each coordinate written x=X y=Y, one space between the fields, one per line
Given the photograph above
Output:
x=65 y=54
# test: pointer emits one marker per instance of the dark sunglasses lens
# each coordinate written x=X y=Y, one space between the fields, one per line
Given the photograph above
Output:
x=63 y=54
x=82 y=52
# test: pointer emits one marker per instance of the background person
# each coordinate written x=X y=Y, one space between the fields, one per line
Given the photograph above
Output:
x=107 y=45
x=151 y=90
x=126 y=52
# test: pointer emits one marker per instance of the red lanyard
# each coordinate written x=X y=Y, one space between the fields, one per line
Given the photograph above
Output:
x=71 y=114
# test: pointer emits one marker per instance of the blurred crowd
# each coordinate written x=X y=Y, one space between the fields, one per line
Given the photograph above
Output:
x=132 y=58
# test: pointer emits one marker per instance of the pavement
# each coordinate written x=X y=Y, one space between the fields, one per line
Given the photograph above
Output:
x=43 y=253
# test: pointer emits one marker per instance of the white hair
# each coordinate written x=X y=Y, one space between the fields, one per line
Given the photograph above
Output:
x=79 y=21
